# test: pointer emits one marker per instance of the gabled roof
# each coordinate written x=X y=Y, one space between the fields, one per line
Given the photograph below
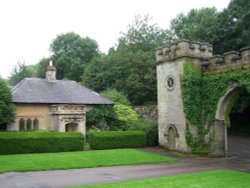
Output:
x=35 y=90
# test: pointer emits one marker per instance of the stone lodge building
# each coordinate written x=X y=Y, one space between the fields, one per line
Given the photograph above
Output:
x=50 y=104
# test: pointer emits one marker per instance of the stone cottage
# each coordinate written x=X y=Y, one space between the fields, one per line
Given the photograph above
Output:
x=50 y=104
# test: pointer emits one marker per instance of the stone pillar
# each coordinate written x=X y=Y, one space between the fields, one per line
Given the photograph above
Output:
x=217 y=147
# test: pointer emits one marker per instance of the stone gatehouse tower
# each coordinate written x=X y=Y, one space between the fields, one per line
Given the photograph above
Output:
x=172 y=120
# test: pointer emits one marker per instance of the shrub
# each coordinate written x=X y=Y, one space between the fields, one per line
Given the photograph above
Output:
x=149 y=127
x=39 y=142
x=117 y=139
x=116 y=96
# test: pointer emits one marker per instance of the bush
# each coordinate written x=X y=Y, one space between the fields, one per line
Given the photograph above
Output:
x=149 y=127
x=117 y=139
x=39 y=142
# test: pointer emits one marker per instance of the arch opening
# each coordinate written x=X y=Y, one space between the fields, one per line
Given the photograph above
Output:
x=233 y=112
x=71 y=127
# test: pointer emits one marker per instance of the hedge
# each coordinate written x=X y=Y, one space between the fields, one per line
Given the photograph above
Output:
x=39 y=142
x=117 y=139
x=149 y=127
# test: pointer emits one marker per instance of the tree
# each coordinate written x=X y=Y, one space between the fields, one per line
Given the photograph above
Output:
x=7 y=108
x=71 y=54
x=21 y=71
x=233 y=27
x=197 y=25
x=42 y=67
x=130 y=68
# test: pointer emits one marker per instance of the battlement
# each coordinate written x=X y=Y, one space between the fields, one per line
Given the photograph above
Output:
x=228 y=60
x=184 y=48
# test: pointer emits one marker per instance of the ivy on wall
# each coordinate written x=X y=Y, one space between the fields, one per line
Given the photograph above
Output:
x=201 y=94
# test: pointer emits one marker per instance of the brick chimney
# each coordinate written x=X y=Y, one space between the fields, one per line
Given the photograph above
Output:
x=51 y=71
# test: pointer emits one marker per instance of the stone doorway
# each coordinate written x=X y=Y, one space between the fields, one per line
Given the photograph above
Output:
x=71 y=127
x=171 y=139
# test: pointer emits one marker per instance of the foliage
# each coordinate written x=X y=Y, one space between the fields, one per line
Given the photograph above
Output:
x=117 y=117
x=215 y=85
x=144 y=35
x=82 y=159
x=71 y=54
x=42 y=67
x=210 y=179
x=7 y=108
x=21 y=71
x=198 y=25
x=227 y=30
x=149 y=127
x=125 y=113
x=100 y=116
x=192 y=84
x=197 y=144
x=39 y=142
x=201 y=94
x=116 y=96
x=117 y=139
x=232 y=28
x=132 y=64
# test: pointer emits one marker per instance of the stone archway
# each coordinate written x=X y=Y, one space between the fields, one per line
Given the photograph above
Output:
x=71 y=127
x=219 y=145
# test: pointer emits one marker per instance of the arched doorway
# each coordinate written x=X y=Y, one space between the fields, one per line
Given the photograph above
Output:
x=71 y=127
x=226 y=120
x=171 y=139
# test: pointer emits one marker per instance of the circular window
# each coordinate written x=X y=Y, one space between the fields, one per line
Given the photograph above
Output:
x=170 y=83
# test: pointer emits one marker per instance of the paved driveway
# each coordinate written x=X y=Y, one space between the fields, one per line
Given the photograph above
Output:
x=60 y=178
x=238 y=146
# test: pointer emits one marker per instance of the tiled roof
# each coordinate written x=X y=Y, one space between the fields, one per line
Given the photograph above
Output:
x=35 y=90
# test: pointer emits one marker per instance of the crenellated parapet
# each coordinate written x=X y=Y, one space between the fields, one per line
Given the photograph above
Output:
x=184 y=48
x=229 y=60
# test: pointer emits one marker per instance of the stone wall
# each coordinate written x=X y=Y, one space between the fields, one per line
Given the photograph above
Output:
x=148 y=112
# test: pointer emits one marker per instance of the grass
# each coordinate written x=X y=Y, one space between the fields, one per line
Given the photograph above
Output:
x=83 y=159
x=211 y=179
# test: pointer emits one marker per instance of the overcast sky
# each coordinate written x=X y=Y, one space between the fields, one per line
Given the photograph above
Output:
x=29 y=26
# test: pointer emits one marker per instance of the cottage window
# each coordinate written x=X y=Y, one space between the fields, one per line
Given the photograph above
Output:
x=21 y=124
x=29 y=124
x=36 y=124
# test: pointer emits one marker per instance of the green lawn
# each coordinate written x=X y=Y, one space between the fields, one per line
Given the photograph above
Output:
x=83 y=159
x=211 y=179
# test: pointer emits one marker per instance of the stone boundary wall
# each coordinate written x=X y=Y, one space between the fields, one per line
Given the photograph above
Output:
x=148 y=112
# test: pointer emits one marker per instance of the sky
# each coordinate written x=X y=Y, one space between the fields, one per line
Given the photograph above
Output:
x=29 y=26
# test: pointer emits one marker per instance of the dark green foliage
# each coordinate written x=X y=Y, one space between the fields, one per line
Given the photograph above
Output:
x=100 y=117
x=232 y=27
x=196 y=144
x=149 y=127
x=192 y=84
x=117 y=139
x=7 y=108
x=130 y=68
x=198 y=25
x=39 y=142
x=71 y=54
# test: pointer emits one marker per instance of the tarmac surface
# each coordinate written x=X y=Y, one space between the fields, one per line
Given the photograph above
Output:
x=239 y=160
